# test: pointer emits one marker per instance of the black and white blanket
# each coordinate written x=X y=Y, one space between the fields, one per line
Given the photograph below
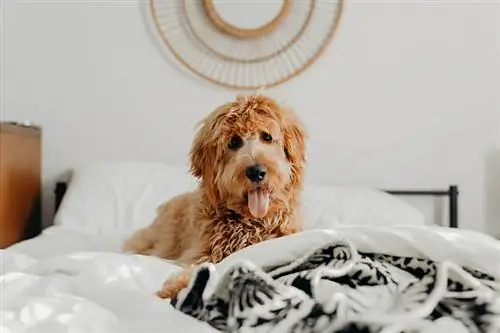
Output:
x=336 y=288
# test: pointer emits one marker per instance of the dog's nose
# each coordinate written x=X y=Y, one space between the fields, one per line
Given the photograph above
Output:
x=256 y=173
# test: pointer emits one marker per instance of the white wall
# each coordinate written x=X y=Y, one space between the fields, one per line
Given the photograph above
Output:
x=406 y=96
x=492 y=177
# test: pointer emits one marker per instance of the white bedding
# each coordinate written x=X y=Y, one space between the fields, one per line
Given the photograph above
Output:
x=69 y=282
x=121 y=197
x=74 y=278
x=59 y=240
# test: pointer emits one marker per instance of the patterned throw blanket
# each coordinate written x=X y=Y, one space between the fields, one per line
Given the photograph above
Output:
x=338 y=289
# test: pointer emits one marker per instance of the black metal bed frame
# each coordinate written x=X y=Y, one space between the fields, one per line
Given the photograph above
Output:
x=451 y=193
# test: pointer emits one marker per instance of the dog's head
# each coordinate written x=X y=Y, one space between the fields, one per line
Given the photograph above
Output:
x=250 y=156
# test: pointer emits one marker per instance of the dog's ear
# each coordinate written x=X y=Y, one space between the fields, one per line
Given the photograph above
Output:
x=294 y=142
x=204 y=156
x=199 y=154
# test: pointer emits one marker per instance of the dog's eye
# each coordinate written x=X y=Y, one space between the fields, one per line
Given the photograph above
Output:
x=266 y=137
x=235 y=143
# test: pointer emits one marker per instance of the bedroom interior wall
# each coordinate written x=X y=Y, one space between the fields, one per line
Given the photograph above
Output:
x=406 y=96
x=492 y=179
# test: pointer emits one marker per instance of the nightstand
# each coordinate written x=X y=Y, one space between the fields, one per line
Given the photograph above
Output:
x=20 y=182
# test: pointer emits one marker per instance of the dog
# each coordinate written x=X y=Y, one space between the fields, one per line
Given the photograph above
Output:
x=249 y=158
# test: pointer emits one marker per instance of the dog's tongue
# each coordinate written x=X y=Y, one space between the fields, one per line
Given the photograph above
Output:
x=258 y=203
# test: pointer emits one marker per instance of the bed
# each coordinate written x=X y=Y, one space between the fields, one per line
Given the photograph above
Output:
x=363 y=254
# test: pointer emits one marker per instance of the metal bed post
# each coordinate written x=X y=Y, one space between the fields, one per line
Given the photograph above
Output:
x=453 y=206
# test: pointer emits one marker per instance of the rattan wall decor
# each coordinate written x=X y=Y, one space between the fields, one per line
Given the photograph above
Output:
x=246 y=44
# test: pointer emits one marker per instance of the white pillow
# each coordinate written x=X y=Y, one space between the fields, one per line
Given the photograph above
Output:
x=120 y=197
x=330 y=206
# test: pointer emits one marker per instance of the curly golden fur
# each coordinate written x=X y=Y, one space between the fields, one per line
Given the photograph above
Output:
x=236 y=204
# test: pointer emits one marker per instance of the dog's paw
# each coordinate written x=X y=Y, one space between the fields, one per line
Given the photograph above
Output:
x=167 y=293
x=173 y=286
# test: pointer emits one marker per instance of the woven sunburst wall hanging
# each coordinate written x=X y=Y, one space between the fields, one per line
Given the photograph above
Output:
x=246 y=44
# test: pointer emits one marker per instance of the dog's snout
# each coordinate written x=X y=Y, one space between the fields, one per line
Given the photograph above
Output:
x=256 y=173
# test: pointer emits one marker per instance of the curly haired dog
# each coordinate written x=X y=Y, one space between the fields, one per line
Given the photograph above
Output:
x=249 y=156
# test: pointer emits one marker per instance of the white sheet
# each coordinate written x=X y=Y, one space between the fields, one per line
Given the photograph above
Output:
x=92 y=291
x=59 y=240
x=88 y=292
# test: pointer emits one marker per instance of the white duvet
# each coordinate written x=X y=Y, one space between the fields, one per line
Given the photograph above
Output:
x=90 y=291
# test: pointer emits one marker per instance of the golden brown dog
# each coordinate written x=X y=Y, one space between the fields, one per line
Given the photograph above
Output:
x=249 y=156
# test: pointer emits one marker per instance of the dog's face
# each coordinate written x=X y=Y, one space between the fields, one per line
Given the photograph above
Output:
x=249 y=155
